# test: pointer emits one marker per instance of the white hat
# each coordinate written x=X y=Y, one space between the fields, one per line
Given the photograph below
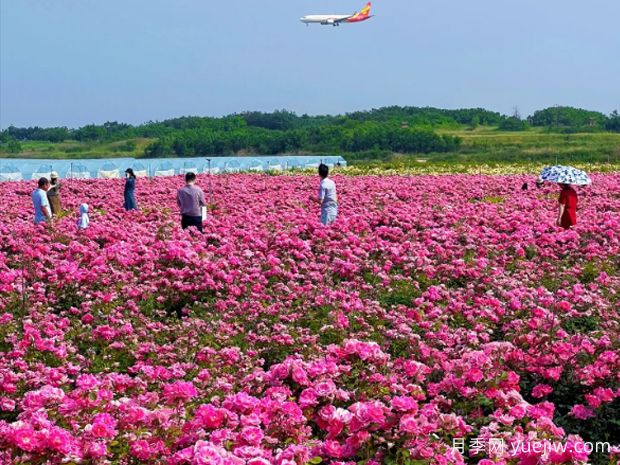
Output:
x=53 y=174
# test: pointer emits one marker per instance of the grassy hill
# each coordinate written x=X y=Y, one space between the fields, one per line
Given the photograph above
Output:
x=73 y=149
x=389 y=134
x=535 y=146
x=482 y=145
x=491 y=146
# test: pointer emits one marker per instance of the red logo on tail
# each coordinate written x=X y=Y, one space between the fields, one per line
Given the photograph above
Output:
x=362 y=15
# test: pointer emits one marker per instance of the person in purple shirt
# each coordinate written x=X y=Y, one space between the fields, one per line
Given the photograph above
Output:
x=190 y=199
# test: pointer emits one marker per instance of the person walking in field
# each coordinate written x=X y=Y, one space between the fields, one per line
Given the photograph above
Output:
x=328 y=199
x=42 y=209
x=130 y=190
x=567 y=210
x=566 y=177
x=53 y=194
x=190 y=199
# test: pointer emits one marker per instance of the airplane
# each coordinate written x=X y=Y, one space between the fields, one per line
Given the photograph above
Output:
x=336 y=20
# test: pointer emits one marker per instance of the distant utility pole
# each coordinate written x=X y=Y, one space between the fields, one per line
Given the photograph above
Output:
x=210 y=186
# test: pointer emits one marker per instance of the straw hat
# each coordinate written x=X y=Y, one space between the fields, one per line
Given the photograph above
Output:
x=54 y=175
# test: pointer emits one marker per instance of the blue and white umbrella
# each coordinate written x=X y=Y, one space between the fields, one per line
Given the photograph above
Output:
x=565 y=175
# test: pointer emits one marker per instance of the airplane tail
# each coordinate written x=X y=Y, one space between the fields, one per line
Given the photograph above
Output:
x=366 y=10
x=362 y=15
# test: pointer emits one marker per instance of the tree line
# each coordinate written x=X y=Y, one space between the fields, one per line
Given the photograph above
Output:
x=320 y=139
x=395 y=129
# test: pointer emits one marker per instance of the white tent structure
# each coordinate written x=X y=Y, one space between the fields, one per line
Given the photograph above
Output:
x=164 y=169
x=140 y=170
x=77 y=171
x=312 y=163
x=293 y=163
x=109 y=171
x=275 y=164
x=43 y=171
x=254 y=165
x=114 y=167
x=232 y=166
x=189 y=167
x=10 y=173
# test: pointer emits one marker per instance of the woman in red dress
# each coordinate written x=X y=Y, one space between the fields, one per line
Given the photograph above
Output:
x=567 y=214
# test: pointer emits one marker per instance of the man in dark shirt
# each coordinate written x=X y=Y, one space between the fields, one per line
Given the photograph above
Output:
x=190 y=199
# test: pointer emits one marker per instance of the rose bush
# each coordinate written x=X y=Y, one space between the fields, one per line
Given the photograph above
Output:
x=437 y=307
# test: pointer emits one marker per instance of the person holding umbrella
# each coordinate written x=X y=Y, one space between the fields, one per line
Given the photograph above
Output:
x=566 y=177
x=567 y=210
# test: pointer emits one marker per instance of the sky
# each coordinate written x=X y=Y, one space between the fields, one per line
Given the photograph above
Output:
x=76 y=62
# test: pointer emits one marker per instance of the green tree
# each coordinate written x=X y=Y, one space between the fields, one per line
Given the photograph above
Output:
x=90 y=132
x=513 y=123
x=613 y=122
x=14 y=146
x=475 y=122
x=568 y=119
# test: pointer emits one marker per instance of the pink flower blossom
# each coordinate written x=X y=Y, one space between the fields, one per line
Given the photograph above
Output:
x=581 y=412
x=103 y=426
x=209 y=416
x=252 y=435
x=179 y=391
x=423 y=314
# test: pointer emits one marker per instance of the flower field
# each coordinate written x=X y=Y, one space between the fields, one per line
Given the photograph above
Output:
x=436 y=308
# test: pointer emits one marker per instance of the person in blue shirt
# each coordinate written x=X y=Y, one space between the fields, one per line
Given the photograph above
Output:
x=130 y=190
x=40 y=202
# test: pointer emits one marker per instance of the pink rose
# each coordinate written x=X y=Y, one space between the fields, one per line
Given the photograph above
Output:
x=141 y=449
x=179 y=391
x=404 y=404
x=59 y=440
x=25 y=437
x=518 y=411
x=206 y=453
x=409 y=424
x=325 y=388
x=581 y=412
x=103 y=426
x=308 y=398
x=252 y=435
x=541 y=390
x=210 y=417
x=333 y=449
x=299 y=376
x=96 y=449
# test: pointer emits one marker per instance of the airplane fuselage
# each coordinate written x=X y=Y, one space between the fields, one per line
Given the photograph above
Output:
x=336 y=20
x=324 y=19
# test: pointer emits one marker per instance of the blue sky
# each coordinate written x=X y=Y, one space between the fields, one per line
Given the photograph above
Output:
x=74 y=62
